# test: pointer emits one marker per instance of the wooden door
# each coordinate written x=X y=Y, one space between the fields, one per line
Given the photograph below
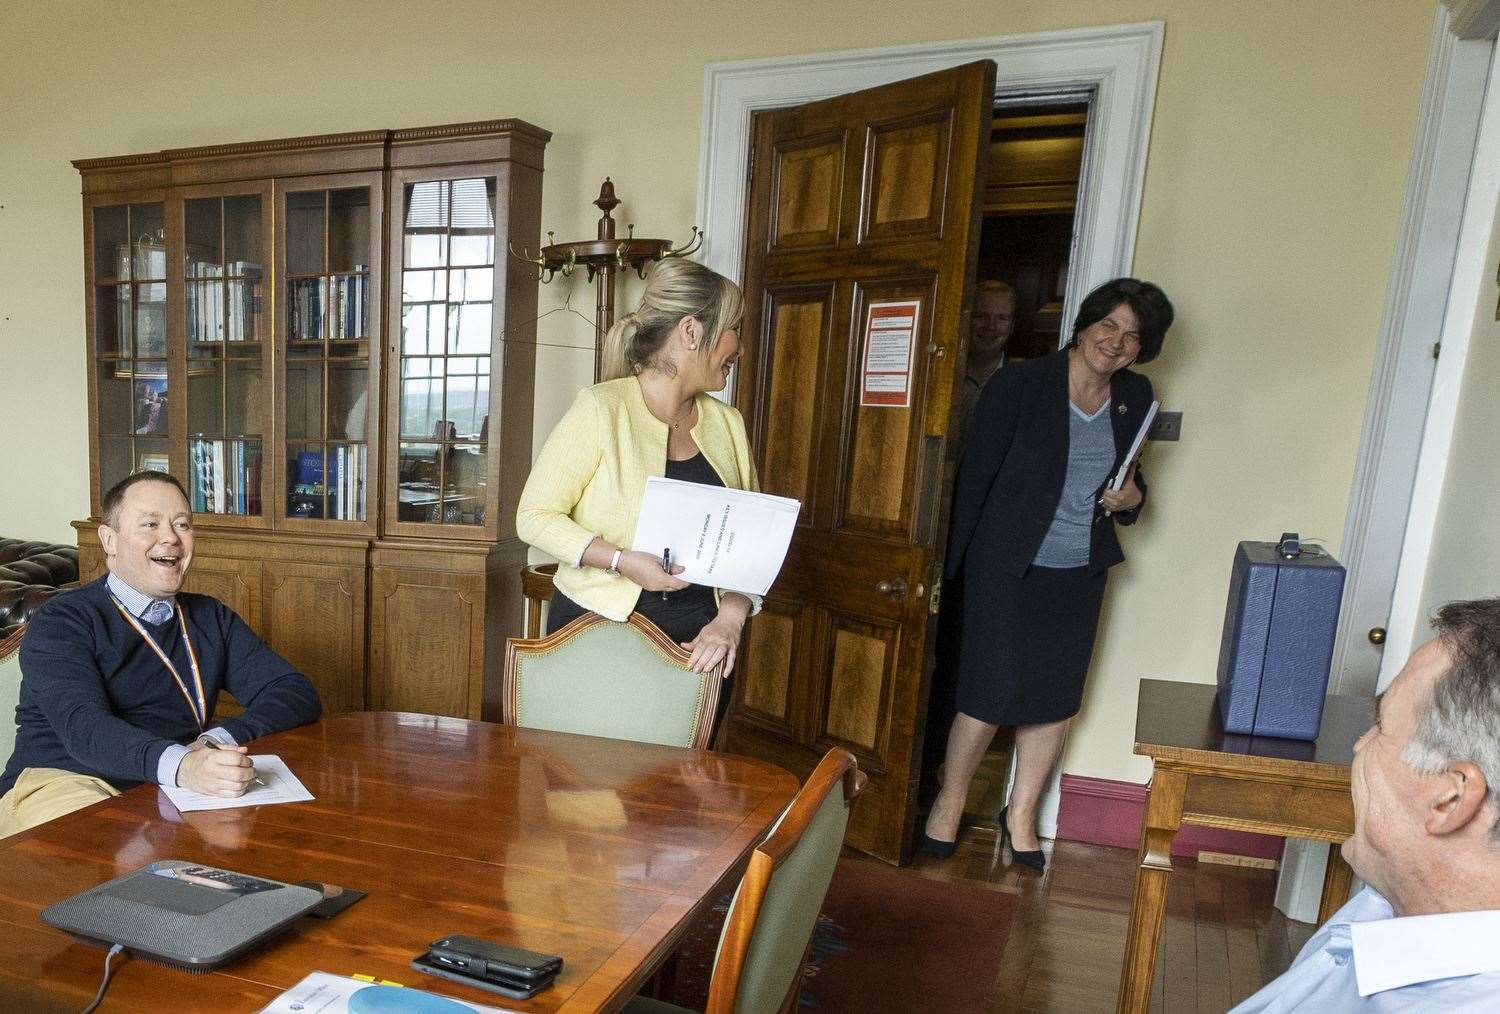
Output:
x=864 y=212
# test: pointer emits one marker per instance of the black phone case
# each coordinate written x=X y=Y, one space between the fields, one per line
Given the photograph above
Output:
x=511 y=962
x=517 y=992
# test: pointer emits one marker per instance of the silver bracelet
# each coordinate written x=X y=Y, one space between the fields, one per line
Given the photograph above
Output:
x=613 y=570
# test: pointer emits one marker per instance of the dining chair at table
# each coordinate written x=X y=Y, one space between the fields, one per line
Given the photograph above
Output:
x=768 y=929
x=600 y=677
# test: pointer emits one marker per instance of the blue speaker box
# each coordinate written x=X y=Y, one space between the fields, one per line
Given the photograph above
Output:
x=1279 y=628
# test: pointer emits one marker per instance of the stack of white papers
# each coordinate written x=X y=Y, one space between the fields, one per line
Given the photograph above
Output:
x=275 y=784
x=724 y=538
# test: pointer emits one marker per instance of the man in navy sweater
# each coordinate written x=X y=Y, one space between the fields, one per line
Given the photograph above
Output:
x=120 y=676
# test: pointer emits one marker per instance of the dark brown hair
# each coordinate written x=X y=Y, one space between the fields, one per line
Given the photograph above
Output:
x=109 y=507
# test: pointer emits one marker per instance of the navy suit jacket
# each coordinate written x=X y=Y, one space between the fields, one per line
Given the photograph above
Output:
x=1010 y=479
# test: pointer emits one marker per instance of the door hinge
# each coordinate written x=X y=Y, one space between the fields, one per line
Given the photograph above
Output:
x=936 y=599
x=1437 y=349
x=750 y=166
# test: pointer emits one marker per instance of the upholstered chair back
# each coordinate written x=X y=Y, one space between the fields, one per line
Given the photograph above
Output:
x=598 y=677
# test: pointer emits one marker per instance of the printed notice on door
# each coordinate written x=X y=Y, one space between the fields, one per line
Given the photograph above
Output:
x=890 y=340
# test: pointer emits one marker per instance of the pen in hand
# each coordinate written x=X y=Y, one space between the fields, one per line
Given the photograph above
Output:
x=213 y=744
x=666 y=565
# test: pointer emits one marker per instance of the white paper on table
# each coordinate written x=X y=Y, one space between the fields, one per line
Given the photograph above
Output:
x=724 y=538
x=321 y=993
x=279 y=785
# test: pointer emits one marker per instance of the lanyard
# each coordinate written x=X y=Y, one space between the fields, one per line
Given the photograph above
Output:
x=198 y=708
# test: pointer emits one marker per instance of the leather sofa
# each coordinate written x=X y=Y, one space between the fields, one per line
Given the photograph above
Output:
x=30 y=573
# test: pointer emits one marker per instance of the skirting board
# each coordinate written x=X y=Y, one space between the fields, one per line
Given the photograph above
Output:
x=1102 y=811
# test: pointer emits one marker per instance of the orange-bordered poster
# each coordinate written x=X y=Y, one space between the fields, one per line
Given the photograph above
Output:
x=890 y=341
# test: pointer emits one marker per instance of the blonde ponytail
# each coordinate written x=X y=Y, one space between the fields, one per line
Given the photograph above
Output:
x=675 y=288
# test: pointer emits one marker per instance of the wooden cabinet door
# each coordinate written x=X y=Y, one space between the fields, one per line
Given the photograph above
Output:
x=315 y=619
x=427 y=641
x=863 y=230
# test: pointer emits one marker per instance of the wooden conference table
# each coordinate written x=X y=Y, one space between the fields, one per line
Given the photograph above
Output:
x=1204 y=775
x=600 y=850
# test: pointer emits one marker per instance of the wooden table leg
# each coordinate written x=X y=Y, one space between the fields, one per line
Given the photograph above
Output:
x=1337 y=880
x=1149 y=903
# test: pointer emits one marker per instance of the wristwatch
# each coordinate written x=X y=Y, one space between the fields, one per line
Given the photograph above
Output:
x=613 y=570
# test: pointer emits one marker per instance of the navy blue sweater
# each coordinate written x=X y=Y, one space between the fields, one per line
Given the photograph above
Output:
x=97 y=700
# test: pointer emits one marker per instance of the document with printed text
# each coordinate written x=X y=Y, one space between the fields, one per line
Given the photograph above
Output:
x=723 y=538
x=274 y=783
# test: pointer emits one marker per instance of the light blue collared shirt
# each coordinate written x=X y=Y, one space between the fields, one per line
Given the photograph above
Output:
x=136 y=604
x=1366 y=959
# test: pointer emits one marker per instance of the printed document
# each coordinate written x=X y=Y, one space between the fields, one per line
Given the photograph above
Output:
x=1118 y=482
x=724 y=538
x=274 y=783
x=321 y=993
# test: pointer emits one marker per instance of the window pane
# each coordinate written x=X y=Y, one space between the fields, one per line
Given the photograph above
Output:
x=244 y=251
x=244 y=404
x=204 y=237
x=306 y=230
x=469 y=329
x=151 y=320
x=349 y=230
x=148 y=236
x=113 y=321
x=304 y=399
x=205 y=389
x=348 y=400
x=111 y=245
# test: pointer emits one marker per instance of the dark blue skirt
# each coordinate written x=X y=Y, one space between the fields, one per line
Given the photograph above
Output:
x=1026 y=642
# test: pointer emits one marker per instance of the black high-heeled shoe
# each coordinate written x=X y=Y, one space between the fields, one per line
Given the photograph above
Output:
x=933 y=847
x=1036 y=860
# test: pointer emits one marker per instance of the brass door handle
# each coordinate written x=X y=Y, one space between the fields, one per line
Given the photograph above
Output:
x=1377 y=635
x=894 y=587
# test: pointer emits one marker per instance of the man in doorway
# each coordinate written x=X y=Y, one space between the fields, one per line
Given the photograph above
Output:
x=120 y=676
x=1422 y=935
x=991 y=322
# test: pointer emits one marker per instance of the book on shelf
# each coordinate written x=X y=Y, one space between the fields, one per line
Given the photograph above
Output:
x=226 y=476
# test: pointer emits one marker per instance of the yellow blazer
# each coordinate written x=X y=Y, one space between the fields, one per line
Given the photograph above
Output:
x=591 y=475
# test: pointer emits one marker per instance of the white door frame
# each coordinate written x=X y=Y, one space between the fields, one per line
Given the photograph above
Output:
x=1408 y=625
x=1401 y=381
x=1394 y=498
x=1118 y=63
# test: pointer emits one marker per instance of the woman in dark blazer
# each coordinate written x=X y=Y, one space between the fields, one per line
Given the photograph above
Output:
x=1033 y=536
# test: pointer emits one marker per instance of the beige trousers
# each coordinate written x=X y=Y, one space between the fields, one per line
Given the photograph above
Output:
x=43 y=794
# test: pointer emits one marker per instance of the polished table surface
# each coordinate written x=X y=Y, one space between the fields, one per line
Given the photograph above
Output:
x=1206 y=776
x=598 y=850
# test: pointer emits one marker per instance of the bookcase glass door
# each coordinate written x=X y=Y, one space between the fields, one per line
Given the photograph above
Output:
x=130 y=339
x=327 y=315
x=447 y=303
x=224 y=274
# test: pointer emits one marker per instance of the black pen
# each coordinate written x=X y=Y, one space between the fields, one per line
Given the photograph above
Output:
x=666 y=564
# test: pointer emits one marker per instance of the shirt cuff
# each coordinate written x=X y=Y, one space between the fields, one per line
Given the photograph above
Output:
x=170 y=761
x=171 y=757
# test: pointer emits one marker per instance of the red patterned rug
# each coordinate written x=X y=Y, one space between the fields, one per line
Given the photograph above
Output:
x=887 y=940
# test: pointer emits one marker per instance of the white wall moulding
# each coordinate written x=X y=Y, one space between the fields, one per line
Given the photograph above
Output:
x=1119 y=63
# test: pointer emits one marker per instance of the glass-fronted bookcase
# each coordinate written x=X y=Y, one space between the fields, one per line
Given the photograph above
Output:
x=323 y=339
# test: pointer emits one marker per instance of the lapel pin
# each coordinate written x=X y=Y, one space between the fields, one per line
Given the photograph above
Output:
x=1120 y=408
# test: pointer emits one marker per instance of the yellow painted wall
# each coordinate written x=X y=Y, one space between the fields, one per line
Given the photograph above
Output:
x=1464 y=562
x=1279 y=151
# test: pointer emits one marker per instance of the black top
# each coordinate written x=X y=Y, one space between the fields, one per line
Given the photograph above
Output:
x=1016 y=459
x=96 y=700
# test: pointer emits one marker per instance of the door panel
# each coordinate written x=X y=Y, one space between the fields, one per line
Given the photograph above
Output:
x=236 y=583
x=906 y=168
x=802 y=316
x=861 y=199
x=766 y=668
x=808 y=175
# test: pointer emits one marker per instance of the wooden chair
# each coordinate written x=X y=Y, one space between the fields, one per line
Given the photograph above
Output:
x=598 y=677
x=10 y=691
x=767 y=933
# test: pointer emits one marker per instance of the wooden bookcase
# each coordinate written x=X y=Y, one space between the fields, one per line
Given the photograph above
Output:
x=325 y=340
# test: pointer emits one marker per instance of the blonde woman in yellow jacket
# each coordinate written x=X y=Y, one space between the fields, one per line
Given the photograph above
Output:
x=652 y=415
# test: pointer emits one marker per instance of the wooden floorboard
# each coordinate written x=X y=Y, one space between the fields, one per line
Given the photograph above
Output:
x=1222 y=939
